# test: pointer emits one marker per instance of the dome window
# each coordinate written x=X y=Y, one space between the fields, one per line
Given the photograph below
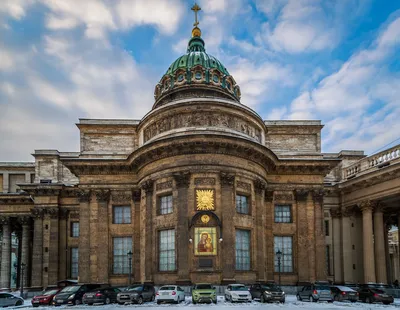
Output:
x=180 y=78
x=215 y=78
x=198 y=75
x=228 y=85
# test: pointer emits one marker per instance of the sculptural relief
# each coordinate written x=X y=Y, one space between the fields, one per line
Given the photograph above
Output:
x=202 y=118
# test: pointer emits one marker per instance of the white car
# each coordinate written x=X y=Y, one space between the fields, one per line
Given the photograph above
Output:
x=237 y=292
x=170 y=293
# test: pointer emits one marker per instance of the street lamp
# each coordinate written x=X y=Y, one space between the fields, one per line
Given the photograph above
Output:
x=279 y=257
x=130 y=254
x=22 y=279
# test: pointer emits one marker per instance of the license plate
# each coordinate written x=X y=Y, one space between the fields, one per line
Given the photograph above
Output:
x=384 y=295
x=164 y=294
x=35 y=301
x=89 y=295
x=59 y=301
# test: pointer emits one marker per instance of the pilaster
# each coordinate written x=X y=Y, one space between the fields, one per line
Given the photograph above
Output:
x=336 y=215
x=63 y=249
x=137 y=248
x=269 y=236
x=320 y=245
x=227 y=181
x=182 y=182
x=25 y=222
x=147 y=232
x=302 y=235
x=53 y=246
x=379 y=243
x=260 y=214
x=37 y=248
x=84 y=236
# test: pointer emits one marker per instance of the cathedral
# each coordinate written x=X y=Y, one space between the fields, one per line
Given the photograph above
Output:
x=201 y=189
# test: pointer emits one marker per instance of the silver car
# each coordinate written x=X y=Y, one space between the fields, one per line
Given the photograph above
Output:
x=137 y=294
x=316 y=292
x=7 y=300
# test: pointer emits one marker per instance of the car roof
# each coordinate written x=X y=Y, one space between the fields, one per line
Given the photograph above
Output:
x=344 y=288
x=237 y=284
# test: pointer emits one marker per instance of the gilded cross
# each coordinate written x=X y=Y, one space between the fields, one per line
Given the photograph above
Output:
x=196 y=8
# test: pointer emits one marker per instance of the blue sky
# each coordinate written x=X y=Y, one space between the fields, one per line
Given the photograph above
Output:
x=61 y=60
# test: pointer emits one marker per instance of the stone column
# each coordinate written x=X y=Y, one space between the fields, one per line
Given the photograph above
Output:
x=25 y=222
x=320 y=245
x=269 y=235
x=227 y=181
x=53 y=246
x=260 y=213
x=137 y=225
x=368 y=242
x=6 y=181
x=37 y=248
x=337 y=248
x=149 y=261
x=5 y=275
x=347 y=248
x=379 y=242
x=302 y=236
x=182 y=182
x=312 y=262
x=84 y=236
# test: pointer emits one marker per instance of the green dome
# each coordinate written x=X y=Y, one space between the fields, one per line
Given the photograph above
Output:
x=196 y=55
x=197 y=69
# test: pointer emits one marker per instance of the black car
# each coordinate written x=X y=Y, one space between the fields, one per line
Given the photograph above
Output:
x=72 y=295
x=267 y=292
x=341 y=293
x=370 y=295
x=137 y=293
x=106 y=295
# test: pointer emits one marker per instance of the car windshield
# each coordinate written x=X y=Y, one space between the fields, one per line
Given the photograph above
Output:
x=239 y=288
x=167 y=288
x=269 y=286
x=203 y=287
x=135 y=288
x=377 y=291
x=70 y=289
x=322 y=288
x=52 y=292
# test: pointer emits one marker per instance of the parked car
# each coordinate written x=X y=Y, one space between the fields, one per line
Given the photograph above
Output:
x=204 y=292
x=170 y=293
x=106 y=295
x=370 y=295
x=341 y=293
x=72 y=295
x=319 y=291
x=237 y=292
x=46 y=298
x=138 y=293
x=267 y=292
x=7 y=299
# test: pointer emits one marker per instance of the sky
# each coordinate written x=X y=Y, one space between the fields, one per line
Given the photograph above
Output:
x=332 y=60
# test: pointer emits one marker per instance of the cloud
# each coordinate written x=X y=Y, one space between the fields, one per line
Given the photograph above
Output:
x=15 y=8
x=297 y=26
x=359 y=99
x=6 y=60
x=100 y=17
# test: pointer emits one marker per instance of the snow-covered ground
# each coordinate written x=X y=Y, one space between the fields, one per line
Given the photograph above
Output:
x=291 y=303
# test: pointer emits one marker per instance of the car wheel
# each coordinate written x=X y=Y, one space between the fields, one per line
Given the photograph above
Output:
x=311 y=299
x=336 y=298
x=19 y=303
x=386 y=303
x=108 y=301
x=153 y=297
x=368 y=300
x=158 y=302
x=121 y=303
x=194 y=302
x=140 y=300
x=262 y=299
x=299 y=298
x=77 y=302
x=35 y=306
x=215 y=301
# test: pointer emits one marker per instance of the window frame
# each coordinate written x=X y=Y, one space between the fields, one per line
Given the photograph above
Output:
x=326 y=228
x=72 y=235
x=281 y=248
x=73 y=263
x=114 y=207
x=248 y=200
x=241 y=267
x=283 y=217
x=125 y=260
x=159 y=251
x=159 y=203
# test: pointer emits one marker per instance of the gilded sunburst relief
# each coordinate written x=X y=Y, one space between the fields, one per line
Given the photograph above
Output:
x=205 y=200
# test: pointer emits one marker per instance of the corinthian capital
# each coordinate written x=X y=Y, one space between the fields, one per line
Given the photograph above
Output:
x=182 y=179
x=147 y=186
x=227 y=179
x=366 y=206
x=102 y=195
x=259 y=186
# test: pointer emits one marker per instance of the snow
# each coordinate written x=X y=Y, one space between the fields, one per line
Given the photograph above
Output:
x=291 y=303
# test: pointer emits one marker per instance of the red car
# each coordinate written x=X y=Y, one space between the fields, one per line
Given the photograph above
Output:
x=46 y=298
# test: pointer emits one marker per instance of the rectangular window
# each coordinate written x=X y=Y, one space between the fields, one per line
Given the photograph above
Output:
x=242 y=204
x=165 y=203
x=166 y=250
x=285 y=246
x=242 y=249
x=328 y=260
x=74 y=263
x=121 y=247
x=283 y=213
x=326 y=228
x=122 y=215
x=74 y=229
